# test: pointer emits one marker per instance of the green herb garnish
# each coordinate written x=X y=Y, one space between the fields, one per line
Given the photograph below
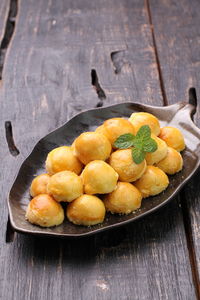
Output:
x=124 y=141
x=140 y=144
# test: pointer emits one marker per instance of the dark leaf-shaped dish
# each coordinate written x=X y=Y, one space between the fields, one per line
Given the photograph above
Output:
x=178 y=115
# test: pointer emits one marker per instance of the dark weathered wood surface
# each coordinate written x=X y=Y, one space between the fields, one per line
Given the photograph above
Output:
x=176 y=25
x=4 y=9
x=46 y=80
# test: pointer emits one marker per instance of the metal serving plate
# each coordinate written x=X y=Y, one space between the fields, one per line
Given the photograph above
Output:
x=178 y=115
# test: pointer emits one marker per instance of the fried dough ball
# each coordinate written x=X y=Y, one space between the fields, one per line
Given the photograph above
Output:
x=152 y=182
x=122 y=162
x=101 y=129
x=65 y=186
x=73 y=147
x=99 y=178
x=86 y=210
x=44 y=211
x=142 y=118
x=63 y=159
x=113 y=128
x=91 y=146
x=39 y=185
x=159 y=154
x=172 y=163
x=172 y=137
x=124 y=199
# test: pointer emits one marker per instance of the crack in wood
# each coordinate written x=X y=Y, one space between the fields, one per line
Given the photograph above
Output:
x=193 y=100
x=119 y=60
x=9 y=29
x=100 y=92
x=193 y=96
x=10 y=140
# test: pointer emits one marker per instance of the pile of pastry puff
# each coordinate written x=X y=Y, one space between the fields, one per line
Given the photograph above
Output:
x=93 y=177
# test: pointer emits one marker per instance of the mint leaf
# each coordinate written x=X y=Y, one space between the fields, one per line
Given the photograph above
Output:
x=138 y=155
x=150 y=146
x=137 y=143
x=124 y=141
x=143 y=134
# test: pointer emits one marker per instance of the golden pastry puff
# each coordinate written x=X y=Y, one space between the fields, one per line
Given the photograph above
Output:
x=122 y=162
x=99 y=178
x=63 y=159
x=101 y=129
x=172 y=163
x=152 y=182
x=159 y=154
x=65 y=186
x=39 y=185
x=73 y=146
x=113 y=128
x=172 y=137
x=44 y=211
x=92 y=146
x=124 y=199
x=142 y=118
x=86 y=210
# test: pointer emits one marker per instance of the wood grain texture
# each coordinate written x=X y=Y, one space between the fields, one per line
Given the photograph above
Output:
x=46 y=80
x=7 y=25
x=176 y=26
x=4 y=9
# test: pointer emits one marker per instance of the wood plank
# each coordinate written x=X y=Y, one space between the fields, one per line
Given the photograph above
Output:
x=47 y=79
x=4 y=9
x=4 y=13
x=176 y=24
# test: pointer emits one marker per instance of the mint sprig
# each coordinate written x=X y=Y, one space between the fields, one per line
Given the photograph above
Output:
x=124 y=141
x=140 y=144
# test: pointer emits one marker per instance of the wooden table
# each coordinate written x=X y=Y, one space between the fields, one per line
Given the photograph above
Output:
x=142 y=51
